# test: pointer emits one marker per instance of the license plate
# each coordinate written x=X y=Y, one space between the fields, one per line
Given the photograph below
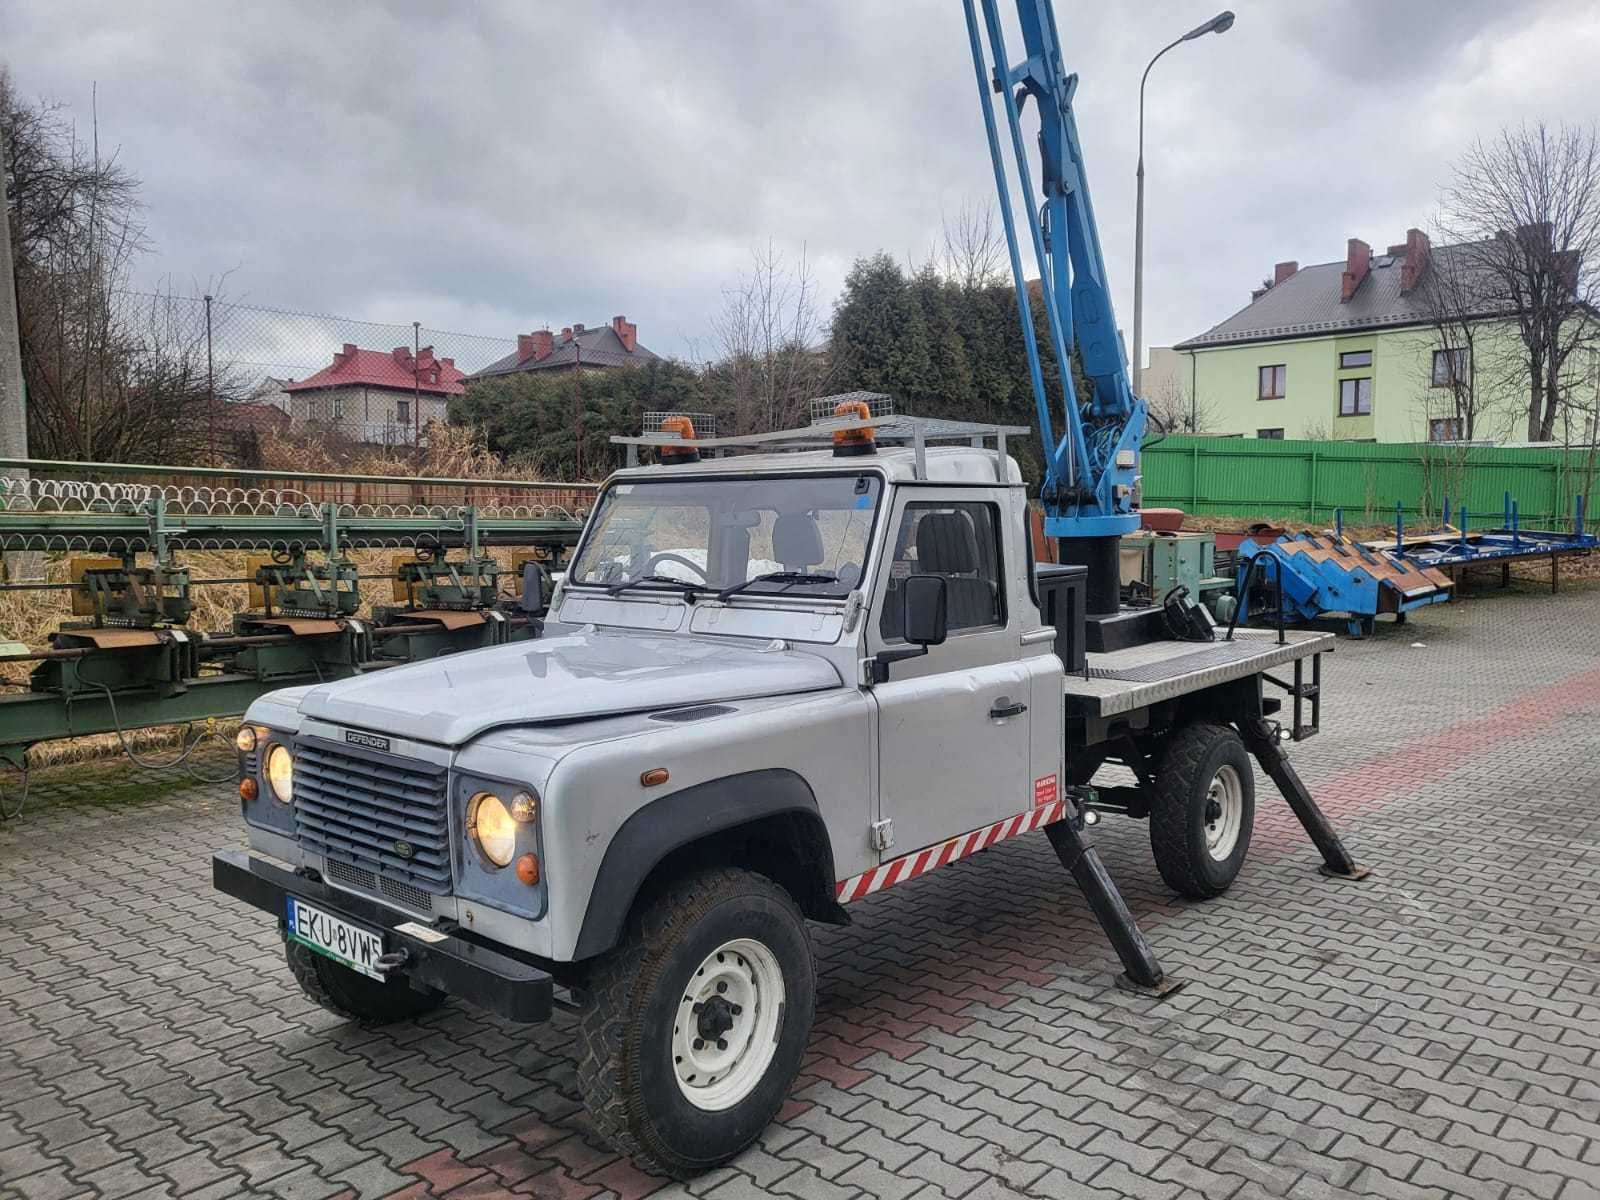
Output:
x=357 y=948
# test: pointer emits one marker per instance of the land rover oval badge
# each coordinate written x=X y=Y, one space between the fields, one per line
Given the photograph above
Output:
x=404 y=848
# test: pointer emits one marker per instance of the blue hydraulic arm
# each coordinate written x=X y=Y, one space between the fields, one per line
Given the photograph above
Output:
x=1091 y=472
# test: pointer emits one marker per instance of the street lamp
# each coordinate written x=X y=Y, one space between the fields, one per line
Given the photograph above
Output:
x=1220 y=23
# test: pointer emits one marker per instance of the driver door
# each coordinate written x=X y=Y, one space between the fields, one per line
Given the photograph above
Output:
x=953 y=729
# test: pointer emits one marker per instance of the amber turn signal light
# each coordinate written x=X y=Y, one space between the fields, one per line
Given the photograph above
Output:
x=247 y=789
x=684 y=428
x=848 y=442
x=528 y=869
x=654 y=776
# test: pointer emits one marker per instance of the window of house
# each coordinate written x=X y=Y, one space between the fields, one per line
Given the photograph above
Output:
x=1355 y=358
x=959 y=541
x=402 y=411
x=1271 y=381
x=1273 y=435
x=1355 y=396
x=1444 y=429
x=338 y=408
x=1449 y=367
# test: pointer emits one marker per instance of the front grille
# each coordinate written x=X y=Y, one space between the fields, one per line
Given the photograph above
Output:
x=351 y=877
x=372 y=884
x=404 y=893
x=365 y=809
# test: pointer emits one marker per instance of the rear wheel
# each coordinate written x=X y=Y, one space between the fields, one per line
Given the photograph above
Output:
x=355 y=996
x=1203 y=810
x=693 y=1028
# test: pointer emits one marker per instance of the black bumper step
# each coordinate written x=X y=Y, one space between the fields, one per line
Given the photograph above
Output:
x=516 y=990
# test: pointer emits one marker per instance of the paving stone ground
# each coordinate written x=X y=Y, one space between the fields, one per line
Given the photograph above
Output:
x=1431 y=1032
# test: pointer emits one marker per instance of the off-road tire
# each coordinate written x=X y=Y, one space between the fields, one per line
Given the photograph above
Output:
x=625 y=1066
x=1191 y=760
x=353 y=996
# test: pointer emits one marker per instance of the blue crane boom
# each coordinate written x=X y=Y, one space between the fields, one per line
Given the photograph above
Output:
x=1089 y=490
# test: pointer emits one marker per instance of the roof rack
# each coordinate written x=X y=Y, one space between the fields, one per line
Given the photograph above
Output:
x=916 y=432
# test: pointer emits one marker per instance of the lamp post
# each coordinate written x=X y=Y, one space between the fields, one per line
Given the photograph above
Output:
x=1220 y=23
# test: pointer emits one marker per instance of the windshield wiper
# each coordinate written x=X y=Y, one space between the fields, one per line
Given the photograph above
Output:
x=786 y=578
x=690 y=590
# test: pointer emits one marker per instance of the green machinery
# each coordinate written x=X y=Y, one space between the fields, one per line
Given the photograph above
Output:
x=1153 y=563
x=129 y=657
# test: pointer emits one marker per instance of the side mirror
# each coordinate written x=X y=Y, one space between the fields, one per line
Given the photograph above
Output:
x=925 y=617
x=535 y=599
x=927 y=609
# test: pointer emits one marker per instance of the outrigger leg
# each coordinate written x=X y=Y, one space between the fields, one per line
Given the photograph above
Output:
x=1260 y=738
x=1142 y=972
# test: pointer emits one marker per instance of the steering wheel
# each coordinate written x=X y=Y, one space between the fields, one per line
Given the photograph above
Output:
x=669 y=556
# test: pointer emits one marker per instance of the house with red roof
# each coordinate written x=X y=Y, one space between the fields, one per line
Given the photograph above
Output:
x=382 y=396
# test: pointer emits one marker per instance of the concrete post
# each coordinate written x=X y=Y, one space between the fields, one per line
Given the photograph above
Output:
x=13 y=400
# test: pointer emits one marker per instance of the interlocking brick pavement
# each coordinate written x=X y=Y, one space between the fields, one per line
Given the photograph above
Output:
x=1431 y=1032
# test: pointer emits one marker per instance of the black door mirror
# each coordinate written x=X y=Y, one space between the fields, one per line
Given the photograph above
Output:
x=927 y=609
x=536 y=588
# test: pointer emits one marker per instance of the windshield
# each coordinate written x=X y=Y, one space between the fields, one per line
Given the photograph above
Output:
x=809 y=534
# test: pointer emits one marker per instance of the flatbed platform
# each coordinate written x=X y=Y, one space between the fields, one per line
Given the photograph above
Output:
x=1121 y=681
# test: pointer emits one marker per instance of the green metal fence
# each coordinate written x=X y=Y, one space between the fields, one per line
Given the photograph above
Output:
x=1306 y=481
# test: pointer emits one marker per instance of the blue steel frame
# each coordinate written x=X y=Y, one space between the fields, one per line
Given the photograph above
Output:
x=1091 y=472
x=1452 y=545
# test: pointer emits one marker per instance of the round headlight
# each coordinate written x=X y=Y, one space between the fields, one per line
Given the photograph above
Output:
x=493 y=827
x=245 y=739
x=280 y=772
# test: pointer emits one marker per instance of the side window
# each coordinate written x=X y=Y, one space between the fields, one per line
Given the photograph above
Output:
x=960 y=541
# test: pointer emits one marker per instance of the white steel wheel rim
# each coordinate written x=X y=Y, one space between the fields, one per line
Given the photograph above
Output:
x=739 y=986
x=1224 y=812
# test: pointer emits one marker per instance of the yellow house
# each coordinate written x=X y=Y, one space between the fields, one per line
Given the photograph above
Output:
x=1365 y=349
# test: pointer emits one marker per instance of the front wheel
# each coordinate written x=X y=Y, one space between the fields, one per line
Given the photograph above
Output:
x=694 y=1027
x=1203 y=810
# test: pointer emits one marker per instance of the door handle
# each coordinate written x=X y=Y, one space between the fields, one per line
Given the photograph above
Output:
x=1003 y=707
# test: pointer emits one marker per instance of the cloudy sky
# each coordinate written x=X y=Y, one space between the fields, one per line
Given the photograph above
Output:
x=497 y=166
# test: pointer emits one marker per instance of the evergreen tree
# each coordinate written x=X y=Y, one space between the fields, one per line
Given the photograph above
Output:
x=880 y=338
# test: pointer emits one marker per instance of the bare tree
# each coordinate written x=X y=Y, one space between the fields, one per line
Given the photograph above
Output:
x=1526 y=206
x=973 y=255
x=1172 y=411
x=1458 y=358
x=769 y=334
x=109 y=377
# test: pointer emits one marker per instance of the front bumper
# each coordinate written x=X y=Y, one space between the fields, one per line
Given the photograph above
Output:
x=483 y=976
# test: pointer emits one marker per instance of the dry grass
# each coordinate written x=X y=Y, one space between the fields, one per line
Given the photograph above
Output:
x=1240 y=524
x=451 y=452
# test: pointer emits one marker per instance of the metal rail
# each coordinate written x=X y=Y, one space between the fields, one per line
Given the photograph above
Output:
x=166 y=472
x=153 y=528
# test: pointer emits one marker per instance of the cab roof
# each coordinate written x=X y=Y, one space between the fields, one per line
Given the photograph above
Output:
x=898 y=464
x=904 y=450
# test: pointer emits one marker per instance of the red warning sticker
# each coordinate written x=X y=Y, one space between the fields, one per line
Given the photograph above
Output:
x=1044 y=790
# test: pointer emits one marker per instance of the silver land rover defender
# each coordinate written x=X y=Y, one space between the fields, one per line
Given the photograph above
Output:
x=769 y=686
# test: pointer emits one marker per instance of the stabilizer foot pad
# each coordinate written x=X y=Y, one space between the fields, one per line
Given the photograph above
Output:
x=1160 y=991
x=1358 y=872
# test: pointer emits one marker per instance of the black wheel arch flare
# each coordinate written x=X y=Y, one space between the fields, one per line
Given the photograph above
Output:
x=748 y=810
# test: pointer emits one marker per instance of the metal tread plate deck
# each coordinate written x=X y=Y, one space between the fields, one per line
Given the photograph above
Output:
x=1124 y=680
x=1152 y=672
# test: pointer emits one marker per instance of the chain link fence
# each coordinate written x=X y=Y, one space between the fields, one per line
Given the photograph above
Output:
x=264 y=371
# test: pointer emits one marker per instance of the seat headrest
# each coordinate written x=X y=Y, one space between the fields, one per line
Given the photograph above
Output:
x=796 y=541
x=946 y=545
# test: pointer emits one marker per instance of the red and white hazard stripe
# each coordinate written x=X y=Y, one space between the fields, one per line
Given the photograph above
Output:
x=909 y=866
